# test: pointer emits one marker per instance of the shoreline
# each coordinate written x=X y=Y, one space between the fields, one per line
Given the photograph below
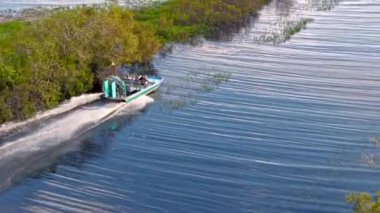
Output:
x=139 y=34
x=5 y=19
x=11 y=127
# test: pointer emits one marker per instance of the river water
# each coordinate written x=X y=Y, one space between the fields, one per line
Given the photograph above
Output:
x=293 y=129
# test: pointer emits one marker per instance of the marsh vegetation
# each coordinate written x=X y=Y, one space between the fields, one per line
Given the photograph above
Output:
x=364 y=202
x=50 y=59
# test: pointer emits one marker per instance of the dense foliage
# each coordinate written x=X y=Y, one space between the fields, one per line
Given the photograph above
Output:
x=46 y=61
x=364 y=203
x=180 y=20
x=56 y=57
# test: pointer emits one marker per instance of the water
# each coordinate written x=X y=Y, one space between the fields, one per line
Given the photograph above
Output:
x=291 y=130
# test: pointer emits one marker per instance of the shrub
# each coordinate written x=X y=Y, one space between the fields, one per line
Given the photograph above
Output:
x=364 y=203
x=63 y=54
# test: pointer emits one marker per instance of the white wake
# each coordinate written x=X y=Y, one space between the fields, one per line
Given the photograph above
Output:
x=62 y=108
x=18 y=156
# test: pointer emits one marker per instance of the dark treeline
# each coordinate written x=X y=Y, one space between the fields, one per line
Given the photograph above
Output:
x=46 y=61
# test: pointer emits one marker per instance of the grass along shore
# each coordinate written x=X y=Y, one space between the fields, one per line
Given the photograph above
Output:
x=47 y=60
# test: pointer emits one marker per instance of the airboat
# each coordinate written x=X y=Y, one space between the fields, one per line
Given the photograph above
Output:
x=129 y=88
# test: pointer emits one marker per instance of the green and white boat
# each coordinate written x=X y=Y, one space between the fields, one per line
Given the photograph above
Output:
x=129 y=88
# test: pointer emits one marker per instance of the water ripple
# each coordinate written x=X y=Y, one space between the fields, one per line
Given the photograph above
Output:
x=290 y=131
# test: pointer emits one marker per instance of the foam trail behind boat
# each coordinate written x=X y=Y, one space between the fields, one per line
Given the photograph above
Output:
x=62 y=108
x=17 y=157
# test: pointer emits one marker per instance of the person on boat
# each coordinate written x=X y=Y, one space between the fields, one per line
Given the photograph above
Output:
x=142 y=80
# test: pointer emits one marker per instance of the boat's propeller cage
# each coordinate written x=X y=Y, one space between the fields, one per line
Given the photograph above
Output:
x=114 y=87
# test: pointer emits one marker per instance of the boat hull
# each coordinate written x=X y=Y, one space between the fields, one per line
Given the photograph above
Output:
x=145 y=91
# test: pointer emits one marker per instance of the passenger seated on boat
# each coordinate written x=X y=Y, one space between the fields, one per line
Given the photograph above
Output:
x=142 y=80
